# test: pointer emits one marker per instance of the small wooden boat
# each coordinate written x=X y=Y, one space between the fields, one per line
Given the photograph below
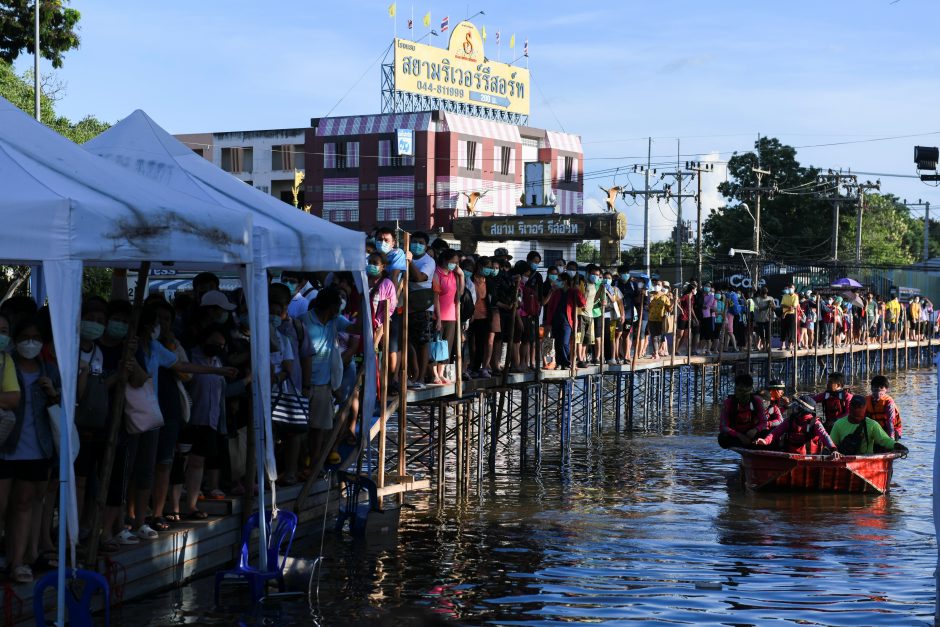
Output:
x=776 y=470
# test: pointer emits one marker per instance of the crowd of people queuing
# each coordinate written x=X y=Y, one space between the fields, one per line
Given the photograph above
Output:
x=191 y=369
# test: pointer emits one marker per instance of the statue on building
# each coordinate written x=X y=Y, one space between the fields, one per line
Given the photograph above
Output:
x=472 y=200
x=612 y=194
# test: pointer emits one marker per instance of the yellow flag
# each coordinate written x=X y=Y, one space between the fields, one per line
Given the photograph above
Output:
x=512 y=41
x=427 y=20
x=391 y=9
x=483 y=33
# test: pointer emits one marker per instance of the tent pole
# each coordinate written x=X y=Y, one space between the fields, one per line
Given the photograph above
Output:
x=117 y=413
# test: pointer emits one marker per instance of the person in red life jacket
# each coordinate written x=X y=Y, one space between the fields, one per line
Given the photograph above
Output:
x=881 y=408
x=743 y=415
x=776 y=407
x=802 y=432
x=835 y=400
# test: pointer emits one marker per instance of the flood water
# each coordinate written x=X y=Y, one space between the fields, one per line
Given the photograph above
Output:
x=642 y=529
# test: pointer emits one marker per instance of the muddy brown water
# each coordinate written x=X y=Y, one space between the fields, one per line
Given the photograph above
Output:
x=640 y=529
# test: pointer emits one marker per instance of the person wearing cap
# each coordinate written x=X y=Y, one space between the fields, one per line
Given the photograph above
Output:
x=502 y=253
x=857 y=434
x=801 y=432
x=777 y=405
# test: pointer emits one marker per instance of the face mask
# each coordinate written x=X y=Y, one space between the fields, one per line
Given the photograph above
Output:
x=385 y=247
x=718 y=297
x=342 y=305
x=117 y=330
x=292 y=286
x=372 y=270
x=211 y=350
x=553 y=278
x=451 y=267
x=418 y=249
x=4 y=342
x=487 y=271
x=495 y=271
x=608 y=281
x=829 y=302
x=155 y=334
x=222 y=318
x=706 y=289
x=29 y=349
x=275 y=321
x=655 y=288
x=560 y=269
x=91 y=330
x=534 y=266
x=572 y=273
x=467 y=274
x=595 y=279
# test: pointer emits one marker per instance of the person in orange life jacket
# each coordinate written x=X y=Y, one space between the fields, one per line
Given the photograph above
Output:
x=881 y=408
x=777 y=406
x=801 y=432
x=835 y=399
x=743 y=415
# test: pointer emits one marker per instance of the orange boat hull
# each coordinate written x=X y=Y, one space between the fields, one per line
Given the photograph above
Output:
x=774 y=470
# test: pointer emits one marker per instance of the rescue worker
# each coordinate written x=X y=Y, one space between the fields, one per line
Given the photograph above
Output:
x=777 y=407
x=857 y=434
x=743 y=415
x=801 y=432
x=835 y=399
x=881 y=408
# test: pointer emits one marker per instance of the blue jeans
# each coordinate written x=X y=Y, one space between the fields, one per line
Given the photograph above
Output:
x=562 y=334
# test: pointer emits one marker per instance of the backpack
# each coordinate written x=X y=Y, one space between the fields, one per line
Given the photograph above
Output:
x=466 y=304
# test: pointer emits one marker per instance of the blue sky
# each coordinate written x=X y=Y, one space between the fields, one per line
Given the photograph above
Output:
x=712 y=74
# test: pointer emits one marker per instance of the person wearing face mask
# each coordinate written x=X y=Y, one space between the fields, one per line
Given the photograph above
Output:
x=835 y=399
x=857 y=434
x=446 y=284
x=763 y=317
x=880 y=407
x=913 y=314
x=707 y=307
x=480 y=321
x=150 y=357
x=421 y=321
x=613 y=314
x=586 y=339
x=382 y=294
x=801 y=432
x=659 y=305
x=743 y=415
x=26 y=456
x=776 y=406
x=788 y=303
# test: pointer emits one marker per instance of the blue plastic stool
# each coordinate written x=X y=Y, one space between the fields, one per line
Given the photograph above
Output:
x=78 y=609
x=282 y=533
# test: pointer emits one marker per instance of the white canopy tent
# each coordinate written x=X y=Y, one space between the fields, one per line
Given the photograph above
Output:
x=64 y=208
x=285 y=238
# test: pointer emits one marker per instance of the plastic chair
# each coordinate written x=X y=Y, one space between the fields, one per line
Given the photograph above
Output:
x=78 y=609
x=351 y=509
x=282 y=533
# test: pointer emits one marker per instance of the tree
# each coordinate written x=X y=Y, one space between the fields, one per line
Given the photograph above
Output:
x=661 y=254
x=586 y=252
x=57 y=29
x=19 y=91
x=796 y=224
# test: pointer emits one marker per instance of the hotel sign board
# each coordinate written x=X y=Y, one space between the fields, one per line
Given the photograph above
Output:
x=461 y=73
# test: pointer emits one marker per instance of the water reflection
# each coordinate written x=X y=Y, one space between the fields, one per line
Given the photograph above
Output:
x=648 y=528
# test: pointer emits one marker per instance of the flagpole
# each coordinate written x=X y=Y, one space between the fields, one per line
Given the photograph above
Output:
x=412 y=18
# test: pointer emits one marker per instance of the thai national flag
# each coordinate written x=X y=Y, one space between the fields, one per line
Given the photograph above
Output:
x=444 y=24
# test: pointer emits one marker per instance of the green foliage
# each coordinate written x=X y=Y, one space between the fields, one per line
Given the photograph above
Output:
x=57 y=29
x=97 y=282
x=661 y=254
x=19 y=91
x=587 y=252
x=796 y=225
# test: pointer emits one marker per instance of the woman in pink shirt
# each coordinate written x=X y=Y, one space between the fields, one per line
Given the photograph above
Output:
x=446 y=284
x=381 y=292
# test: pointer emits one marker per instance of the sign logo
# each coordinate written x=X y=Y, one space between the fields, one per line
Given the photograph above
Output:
x=406 y=142
x=468 y=44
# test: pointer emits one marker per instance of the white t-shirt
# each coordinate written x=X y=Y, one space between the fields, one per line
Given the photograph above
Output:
x=284 y=352
x=94 y=358
x=426 y=265
x=300 y=303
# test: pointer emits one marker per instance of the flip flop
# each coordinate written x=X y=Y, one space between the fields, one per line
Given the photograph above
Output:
x=197 y=515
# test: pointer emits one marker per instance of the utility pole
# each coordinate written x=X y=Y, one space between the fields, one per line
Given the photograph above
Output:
x=926 y=206
x=680 y=225
x=759 y=191
x=862 y=188
x=698 y=167
x=835 y=180
x=36 y=63
x=646 y=194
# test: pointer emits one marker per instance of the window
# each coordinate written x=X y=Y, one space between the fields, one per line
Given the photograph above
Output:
x=238 y=159
x=199 y=151
x=341 y=155
x=298 y=152
x=505 y=160
x=569 y=168
x=287 y=157
x=471 y=156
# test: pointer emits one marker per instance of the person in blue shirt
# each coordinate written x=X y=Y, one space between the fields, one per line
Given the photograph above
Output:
x=323 y=323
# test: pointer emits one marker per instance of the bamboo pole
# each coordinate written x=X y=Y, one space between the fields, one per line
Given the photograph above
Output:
x=675 y=330
x=796 y=344
x=503 y=379
x=403 y=361
x=458 y=335
x=117 y=414
x=383 y=398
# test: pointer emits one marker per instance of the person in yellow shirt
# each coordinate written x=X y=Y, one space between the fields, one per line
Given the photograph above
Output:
x=913 y=315
x=789 y=302
x=659 y=305
x=893 y=317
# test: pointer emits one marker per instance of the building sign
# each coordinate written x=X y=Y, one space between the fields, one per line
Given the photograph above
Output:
x=461 y=73
x=406 y=142
x=525 y=228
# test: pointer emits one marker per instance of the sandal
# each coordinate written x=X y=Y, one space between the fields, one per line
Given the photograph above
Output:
x=173 y=517
x=197 y=514
x=158 y=523
x=144 y=532
x=109 y=546
x=46 y=561
x=126 y=538
x=23 y=574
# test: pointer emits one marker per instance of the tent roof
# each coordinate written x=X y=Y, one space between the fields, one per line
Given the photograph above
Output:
x=293 y=239
x=61 y=202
